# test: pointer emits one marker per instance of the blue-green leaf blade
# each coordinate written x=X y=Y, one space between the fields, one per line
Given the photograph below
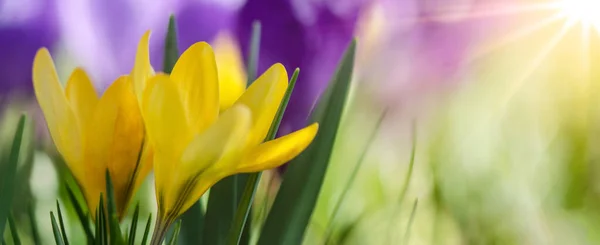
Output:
x=35 y=234
x=56 y=231
x=13 y=230
x=133 y=227
x=7 y=182
x=192 y=225
x=147 y=230
x=82 y=216
x=112 y=218
x=171 y=48
x=295 y=202
x=61 y=223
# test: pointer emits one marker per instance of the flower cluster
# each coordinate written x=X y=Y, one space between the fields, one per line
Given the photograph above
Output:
x=176 y=124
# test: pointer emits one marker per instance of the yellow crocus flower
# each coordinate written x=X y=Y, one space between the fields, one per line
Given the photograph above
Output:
x=195 y=146
x=95 y=134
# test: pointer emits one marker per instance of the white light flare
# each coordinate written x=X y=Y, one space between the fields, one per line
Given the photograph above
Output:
x=587 y=12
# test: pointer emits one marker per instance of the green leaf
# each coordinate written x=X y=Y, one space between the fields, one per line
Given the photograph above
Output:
x=113 y=218
x=35 y=234
x=243 y=210
x=171 y=49
x=81 y=215
x=147 y=230
x=101 y=233
x=13 y=230
x=62 y=224
x=7 y=182
x=173 y=240
x=55 y=230
x=254 y=52
x=351 y=179
x=297 y=196
x=224 y=196
x=134 y=222
x=192 y=224
x=222 y=203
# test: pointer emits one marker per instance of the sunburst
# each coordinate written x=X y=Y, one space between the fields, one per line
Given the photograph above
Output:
x=586 y=12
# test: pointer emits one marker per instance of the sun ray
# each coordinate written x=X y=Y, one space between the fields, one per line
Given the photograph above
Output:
x=492 y=10
x=583 y=11
x=510 y=38
x=585 y=54
x=536 y=62
x=486 y=11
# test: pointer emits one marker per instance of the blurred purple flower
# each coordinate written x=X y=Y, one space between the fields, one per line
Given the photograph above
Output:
x=102 y=36
x=312 y=35
x=309 y=34
x=25 y=26
x=427 y=44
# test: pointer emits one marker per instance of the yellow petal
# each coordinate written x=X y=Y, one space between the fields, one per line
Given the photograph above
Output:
x=263 y=98
x=142 y=69
x=166 y=123
x=60 y=118
x=276 y=152
x=207 y=159
x=196 y=75
x=232 y=76
x=227 y=135
x=167 y=130
x=82 y=96
x=116 y=145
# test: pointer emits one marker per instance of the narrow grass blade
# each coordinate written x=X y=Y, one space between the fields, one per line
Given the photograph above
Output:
x=410 y=221
x=176 y=229
x=171 y=49
x=147 y=230
x=297 y=196
x=102 y=237
x=224 y=196
x=253 y=55
x=35 y=234
x=411 y=165
x=243 y=210
x=81 y=215
x=192 y=224
x=56 y=231
x=407 y=179
x=97 y=232
x=112 y=218
x=133 y=227
x=13 y=230
x=7 y=182
x=351 y=179
x=61 y=223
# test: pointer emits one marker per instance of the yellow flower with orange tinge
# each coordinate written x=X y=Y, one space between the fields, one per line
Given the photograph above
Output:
x=95 y=134
x=198 y=140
